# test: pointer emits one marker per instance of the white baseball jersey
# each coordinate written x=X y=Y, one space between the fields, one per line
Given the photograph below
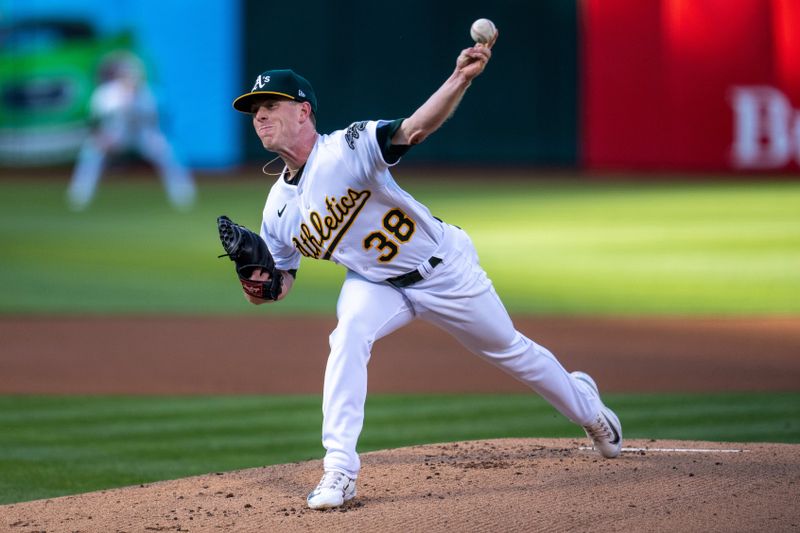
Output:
x=347 y=208
x=124 y=110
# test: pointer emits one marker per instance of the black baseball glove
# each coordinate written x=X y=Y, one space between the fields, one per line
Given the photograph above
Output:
x=249 y=252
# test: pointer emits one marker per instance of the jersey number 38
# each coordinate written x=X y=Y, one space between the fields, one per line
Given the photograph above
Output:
x=398 y=230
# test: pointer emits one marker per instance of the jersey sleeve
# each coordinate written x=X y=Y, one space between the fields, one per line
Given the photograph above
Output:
x=362 y=150
x=285 y=257
x=384 y=133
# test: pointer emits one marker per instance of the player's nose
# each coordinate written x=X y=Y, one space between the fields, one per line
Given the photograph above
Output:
x=261 y=113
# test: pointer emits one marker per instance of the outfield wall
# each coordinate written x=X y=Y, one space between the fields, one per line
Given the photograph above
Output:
x=370 y=60
x=691 y=84
x=677 y=85
x=191 y=55
x=697 y=85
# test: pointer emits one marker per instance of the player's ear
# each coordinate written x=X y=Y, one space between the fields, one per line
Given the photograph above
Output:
x=306 y=111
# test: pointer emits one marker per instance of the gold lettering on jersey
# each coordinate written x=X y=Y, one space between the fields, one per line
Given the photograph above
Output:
x=340 y=214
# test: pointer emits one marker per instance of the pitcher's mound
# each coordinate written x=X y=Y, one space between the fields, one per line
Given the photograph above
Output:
x=495 y=485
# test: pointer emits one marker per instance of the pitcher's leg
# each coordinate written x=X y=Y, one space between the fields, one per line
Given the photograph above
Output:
x=460 y=299
x=366 y=311
x=485 y=328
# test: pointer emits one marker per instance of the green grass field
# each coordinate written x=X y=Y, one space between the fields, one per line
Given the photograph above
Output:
x=568 y=246
x=558 y=247
x=53 y=446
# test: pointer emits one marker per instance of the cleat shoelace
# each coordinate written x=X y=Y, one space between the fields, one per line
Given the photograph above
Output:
x=599 y=430
x=331 y=480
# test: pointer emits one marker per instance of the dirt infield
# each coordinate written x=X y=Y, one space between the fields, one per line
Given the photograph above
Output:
x=174 y=355
x=498 y=485
x=501 y=485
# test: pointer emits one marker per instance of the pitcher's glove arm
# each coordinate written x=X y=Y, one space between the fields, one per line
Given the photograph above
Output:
x=249 y=252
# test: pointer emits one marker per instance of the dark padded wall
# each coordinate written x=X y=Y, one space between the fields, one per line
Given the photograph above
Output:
x=371 y=60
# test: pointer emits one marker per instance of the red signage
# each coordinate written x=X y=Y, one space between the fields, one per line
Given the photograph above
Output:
x=691 y=84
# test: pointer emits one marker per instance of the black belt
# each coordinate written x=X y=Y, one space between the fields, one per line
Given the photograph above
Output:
x=412 y=277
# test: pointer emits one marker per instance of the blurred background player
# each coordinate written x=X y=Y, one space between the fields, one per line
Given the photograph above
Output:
x=124 y=118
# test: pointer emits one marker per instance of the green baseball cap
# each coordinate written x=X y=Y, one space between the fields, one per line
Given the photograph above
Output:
x=282 y=82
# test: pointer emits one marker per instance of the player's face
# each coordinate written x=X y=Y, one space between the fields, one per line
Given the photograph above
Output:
x=276 y=122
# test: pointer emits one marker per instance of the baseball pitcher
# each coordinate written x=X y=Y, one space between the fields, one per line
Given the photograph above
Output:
x=336 y=200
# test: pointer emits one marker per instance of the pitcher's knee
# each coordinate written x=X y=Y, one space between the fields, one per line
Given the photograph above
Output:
x=515 y=347
x=350 y=335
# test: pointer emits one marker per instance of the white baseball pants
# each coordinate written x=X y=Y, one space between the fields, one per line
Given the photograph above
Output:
x=153 y=146
x=458 y=297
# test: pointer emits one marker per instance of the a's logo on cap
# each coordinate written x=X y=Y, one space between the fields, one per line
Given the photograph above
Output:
x=260 y=82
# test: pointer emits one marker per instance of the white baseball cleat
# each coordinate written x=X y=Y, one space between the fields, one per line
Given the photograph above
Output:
x=606 y=430
x=333 y=490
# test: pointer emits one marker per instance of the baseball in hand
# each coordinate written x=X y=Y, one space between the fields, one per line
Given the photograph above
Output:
x=482 y=31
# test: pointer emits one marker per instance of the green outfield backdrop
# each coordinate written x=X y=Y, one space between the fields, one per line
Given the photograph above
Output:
x=554 y=246
x=557 y=246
